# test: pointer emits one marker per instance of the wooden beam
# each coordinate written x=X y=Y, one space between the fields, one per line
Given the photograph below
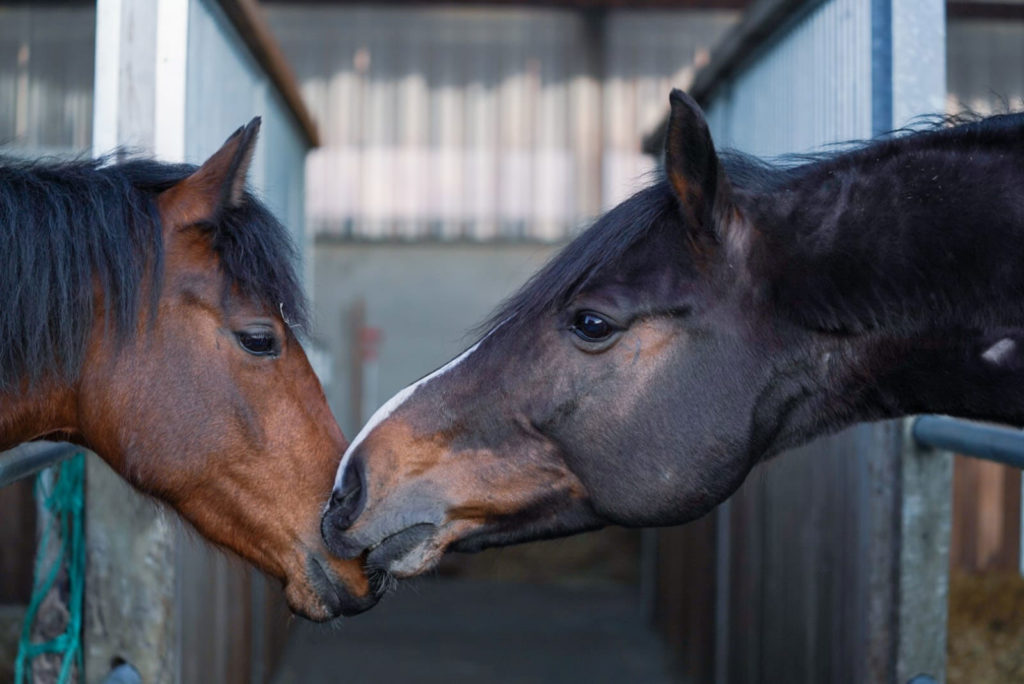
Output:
x=249 y=20
x=576 y=4
x=985 y=10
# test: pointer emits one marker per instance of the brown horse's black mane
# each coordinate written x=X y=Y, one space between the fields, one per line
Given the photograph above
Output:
x=799 y=198
x=69 y=227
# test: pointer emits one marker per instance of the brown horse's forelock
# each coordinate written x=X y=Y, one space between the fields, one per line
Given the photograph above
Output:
x=68 y=227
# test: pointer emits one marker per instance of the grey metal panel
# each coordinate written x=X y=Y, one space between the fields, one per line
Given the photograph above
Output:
x=809 y=87
x=819 y=544
x=225 y=88
x=223 y=603
x=46 y=78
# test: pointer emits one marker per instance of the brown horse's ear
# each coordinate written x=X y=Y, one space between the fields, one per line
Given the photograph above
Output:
x=691 y=164
x=216 y=185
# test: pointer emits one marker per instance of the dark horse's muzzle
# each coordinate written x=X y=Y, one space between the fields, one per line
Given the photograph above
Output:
x=345 y=505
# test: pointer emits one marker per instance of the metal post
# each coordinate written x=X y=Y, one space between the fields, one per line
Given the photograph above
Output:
x=926 y=522
x=989 y=442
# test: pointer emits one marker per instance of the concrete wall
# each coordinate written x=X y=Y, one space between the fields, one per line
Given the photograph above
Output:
x=424 y=298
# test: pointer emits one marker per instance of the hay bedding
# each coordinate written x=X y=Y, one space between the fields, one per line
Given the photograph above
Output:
x=986 y=629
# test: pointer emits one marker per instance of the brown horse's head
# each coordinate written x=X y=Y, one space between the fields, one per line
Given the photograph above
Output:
x=205 y=398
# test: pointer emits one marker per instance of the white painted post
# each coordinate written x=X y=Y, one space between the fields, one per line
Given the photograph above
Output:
x=919 y=88
x=918 y=59
x=141 y=51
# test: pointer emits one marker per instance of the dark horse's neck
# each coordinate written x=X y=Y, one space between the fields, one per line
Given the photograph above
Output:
x=906 y=260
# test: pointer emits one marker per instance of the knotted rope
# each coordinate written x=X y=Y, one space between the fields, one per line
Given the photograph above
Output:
x=65 y=502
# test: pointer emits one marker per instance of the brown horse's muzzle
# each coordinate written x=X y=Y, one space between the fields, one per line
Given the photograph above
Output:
x=329 y=588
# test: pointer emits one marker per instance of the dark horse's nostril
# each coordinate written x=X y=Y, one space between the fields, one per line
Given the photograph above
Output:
x=348 y=500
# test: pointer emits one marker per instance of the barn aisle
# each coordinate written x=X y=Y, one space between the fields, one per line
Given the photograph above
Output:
x=456 y=630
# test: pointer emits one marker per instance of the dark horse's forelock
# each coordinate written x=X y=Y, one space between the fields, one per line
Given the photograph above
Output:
x=71 y=229
x=602 y=245
x=570 y=271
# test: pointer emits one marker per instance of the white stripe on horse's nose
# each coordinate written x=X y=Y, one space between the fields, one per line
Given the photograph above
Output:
x=392 y=405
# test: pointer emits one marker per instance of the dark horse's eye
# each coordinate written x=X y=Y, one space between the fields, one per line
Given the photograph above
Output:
x=591 y=327
x=258 y=343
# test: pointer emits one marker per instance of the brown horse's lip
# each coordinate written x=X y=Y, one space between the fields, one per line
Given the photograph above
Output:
x=339 y=601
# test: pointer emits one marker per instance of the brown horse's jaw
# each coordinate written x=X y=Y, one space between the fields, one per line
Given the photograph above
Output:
x=319 y=594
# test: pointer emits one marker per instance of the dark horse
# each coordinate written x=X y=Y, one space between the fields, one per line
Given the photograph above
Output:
x=728 y=312
x=141 y=317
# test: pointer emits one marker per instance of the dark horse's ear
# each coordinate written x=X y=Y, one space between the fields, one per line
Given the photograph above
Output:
x=691 y=165
x=216 y=185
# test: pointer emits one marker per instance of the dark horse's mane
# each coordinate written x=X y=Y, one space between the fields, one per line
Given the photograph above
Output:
x=70 y=228
x=601 y=245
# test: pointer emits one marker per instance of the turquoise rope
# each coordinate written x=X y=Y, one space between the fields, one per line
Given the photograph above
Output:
x=65 y=502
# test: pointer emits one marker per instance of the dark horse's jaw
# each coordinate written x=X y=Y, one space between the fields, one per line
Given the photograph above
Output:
x=405 y=553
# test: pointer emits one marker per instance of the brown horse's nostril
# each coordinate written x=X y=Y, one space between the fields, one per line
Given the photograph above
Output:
x=348 y=500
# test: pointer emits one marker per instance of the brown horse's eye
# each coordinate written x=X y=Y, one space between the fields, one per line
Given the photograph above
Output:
x=591 y=327
x=258 y=343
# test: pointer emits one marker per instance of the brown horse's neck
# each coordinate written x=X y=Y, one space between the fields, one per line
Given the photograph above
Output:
x=46 y=410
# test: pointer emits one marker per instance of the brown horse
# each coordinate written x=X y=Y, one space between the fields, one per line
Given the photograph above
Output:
x=148 y=314
x=732 y=310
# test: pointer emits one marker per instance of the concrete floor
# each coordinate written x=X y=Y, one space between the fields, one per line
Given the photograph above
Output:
x=449 y=631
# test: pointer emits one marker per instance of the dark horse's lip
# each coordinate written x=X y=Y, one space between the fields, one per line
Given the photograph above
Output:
x=338 y=601
x=396 y=546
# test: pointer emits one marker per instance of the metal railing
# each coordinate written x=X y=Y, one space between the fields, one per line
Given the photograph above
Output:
x=985 y=441
x=979 y=440
x=28 y=459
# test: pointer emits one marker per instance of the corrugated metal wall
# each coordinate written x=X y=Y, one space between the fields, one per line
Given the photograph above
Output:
x=225 y=89
x=985 y=71
x=804 y=90
x=800 y=572
x=46 y=86
x=232 y=618
x=482 y=123
x=46 y=73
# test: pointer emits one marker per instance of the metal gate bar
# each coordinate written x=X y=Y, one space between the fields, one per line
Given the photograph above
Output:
x=32 y=457
x=979 y=440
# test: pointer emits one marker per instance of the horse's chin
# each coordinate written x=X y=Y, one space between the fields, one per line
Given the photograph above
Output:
x=319 y=596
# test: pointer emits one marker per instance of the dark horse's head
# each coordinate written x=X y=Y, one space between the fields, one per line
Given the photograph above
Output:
x=620 y=386
x=148 y=314
x=729 y=311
